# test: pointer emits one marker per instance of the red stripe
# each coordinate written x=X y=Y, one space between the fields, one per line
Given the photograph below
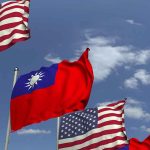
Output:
x=26 y=9
x=14 y=14
x=25 y=19
x=13 y=42
x=22 y=2
x=116 y=103
x=93 y=135
x=23 y=32
x=110 y=122
x=10 y=25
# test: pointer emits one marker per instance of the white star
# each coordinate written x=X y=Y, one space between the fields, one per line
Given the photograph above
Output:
x=34 y=80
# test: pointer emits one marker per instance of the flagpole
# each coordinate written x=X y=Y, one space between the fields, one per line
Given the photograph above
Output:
x=16 y=70
x=58 y=123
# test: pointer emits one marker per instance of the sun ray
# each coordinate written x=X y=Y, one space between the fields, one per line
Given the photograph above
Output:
x=34 y=79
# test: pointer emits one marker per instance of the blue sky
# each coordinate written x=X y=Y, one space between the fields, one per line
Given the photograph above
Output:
x=116 y=31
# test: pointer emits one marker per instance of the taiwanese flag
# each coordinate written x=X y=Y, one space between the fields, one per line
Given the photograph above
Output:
x=51 y=92
x=135 y=144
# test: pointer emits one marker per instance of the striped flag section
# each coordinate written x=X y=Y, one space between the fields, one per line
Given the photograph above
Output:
x=13 y=23
x=99 y=128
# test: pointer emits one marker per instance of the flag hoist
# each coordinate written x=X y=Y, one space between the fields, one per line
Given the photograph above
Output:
x=16 y=70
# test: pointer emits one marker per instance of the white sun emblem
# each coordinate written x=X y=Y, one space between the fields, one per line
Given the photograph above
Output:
x=34 y=80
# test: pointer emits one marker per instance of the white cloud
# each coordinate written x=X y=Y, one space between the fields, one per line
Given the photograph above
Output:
x=131 y=83
x=146 y=129
x=140 y=75
x=132 y=22
x=104 y=103
x=33 y=131
x=136 y=112
x=52 y=59
x=132 y=101
x=143 y=76
x=143 y=56
x=105 y=56
x=134 y=109
x=142 y=128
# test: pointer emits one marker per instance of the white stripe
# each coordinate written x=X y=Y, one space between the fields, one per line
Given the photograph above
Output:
x=15 y=36
x=25 y=23
x=11 y=20
x=109 y=119
x=26 y=15
x=97 y=130
x=2 y=4
x=27 y=3
x=12 y=11
x=95 y=140
x=8 y=31
x=109 y=112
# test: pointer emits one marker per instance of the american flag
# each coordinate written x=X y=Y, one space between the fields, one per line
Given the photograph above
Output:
x=13 y=22
x=99 y=128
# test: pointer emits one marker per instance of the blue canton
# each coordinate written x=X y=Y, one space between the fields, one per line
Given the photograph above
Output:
x=78 y=123
x=48 y=80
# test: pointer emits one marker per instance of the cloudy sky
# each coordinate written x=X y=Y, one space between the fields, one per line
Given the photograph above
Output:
x=116 y=31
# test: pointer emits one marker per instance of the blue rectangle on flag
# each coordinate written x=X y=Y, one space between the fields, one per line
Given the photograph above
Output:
x=42 y=78
x=78 y=123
